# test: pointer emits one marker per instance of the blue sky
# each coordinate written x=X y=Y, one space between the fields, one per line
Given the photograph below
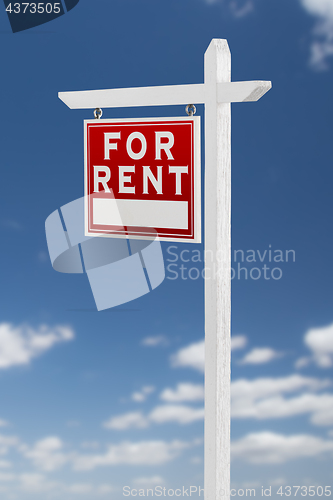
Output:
x=93 y=401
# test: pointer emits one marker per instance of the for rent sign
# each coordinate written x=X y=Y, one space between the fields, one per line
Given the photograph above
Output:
x=143 y=175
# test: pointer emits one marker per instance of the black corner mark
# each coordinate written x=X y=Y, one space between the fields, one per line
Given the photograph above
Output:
x=70 y=4
x=25 y=15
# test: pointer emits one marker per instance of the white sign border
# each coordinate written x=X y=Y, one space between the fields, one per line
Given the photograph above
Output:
x=196 y=178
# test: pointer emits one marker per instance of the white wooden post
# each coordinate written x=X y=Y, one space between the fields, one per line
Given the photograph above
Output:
x=216 y=93
x=217 y=284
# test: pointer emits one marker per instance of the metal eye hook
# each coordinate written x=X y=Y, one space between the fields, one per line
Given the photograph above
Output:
x=190 y=109
x=98 y=113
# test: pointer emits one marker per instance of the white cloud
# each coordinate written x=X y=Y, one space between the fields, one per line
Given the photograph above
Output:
x=263 y=398
x=268 y=386
x=302 y=362
x=155 y=341
x=193 y=355
x=185 y=391
x=241 y=10
x=38 y=483
x=142 y=395
x=34 y=482
x=180 y=414
x=19 y=345
x=4 y=423
x=322 y=8
x=104 y=489
x=322 y=45
x=322 y=410
x=6 y=477
x=320 y=341
x=8 y=442
x=129 y=453
x=271 y=448
x=320 y=51
x=130 y=420
x=260 y=355
x=5 y=464
x=47 y=454
x=238 y=342
x=319 y=406
x=148 y=481
x=277 y=481
x=238 y=8
x=90 y=445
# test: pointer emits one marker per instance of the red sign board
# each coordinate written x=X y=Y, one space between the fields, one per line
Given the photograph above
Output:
x=142 y=176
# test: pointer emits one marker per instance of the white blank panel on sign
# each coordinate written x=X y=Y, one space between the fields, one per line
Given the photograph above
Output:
x=148 y=213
